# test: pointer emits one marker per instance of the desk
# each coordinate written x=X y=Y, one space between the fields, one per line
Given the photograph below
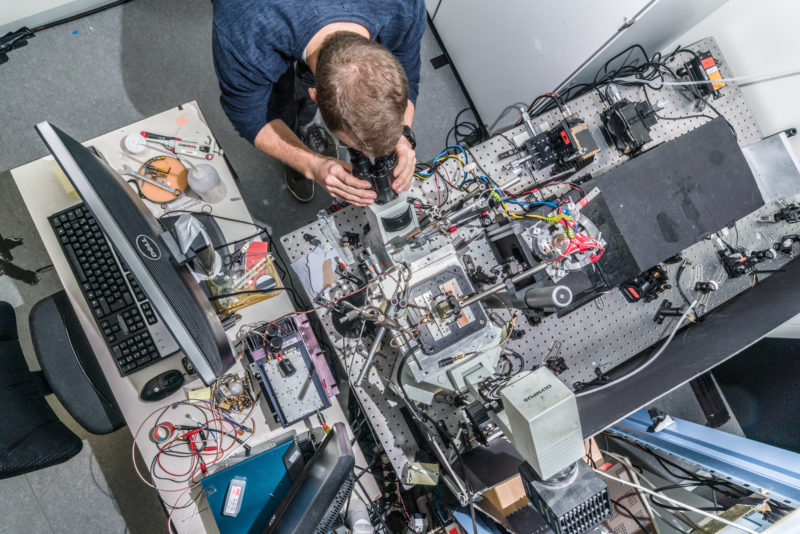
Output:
x=44 y=195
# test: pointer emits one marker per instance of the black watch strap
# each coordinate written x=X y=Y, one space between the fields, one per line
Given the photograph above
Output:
x=408 y=133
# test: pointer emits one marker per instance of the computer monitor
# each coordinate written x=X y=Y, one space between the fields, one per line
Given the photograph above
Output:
x=317 y=497
x=137 y=237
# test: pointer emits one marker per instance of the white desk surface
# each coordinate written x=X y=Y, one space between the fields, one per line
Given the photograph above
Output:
x=44 y=195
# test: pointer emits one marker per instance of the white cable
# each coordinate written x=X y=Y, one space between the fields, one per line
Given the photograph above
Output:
x=650 y=360
x=675 y=514
x=677 y=502
x=735 y=79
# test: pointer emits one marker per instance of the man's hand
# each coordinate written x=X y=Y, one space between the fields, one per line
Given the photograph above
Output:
x=406 y=163
x=334 y=176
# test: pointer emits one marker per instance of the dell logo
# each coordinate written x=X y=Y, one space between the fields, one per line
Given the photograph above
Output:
x=536 y=393
x=147 y=247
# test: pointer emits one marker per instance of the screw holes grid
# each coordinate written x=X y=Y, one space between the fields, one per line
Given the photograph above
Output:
x=590 y=336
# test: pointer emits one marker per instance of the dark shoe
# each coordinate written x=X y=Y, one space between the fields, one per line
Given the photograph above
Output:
x=298 y=185
x=320 y=140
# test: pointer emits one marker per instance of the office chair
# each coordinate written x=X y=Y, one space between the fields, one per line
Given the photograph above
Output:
x=32 y=436
x=69 y=365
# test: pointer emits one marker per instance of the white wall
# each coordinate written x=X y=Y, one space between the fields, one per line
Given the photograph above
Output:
x=657 y=25
x=756 y=37
x=759 y=37
x=14 y=14
x=510 y=51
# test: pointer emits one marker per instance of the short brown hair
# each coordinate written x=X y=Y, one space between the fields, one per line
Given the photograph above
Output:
x=362 y=90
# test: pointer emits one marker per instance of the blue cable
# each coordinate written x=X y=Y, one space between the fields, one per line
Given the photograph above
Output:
x=444 y=153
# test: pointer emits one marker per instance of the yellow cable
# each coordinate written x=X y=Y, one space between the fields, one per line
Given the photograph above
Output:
x=552 y=219
x=452 y=156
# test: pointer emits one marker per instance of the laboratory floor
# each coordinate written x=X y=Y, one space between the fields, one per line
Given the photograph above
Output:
x=94 y=75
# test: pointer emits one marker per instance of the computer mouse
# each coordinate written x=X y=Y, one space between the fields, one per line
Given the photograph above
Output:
x=162 y=386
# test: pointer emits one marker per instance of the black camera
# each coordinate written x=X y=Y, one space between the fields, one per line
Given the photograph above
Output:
x=377 y=173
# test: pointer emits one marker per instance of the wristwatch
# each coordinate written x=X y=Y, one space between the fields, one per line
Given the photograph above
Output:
x=408 y=133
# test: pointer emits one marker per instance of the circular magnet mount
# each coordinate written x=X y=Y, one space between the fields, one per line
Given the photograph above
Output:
x=549 y=243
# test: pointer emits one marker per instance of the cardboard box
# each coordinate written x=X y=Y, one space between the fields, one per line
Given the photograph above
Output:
x=507 y=497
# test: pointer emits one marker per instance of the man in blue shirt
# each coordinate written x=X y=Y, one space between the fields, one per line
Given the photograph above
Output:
x=363 y=57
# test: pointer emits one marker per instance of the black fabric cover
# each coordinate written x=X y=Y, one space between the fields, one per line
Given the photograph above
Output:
x=70 y=366
x=671 y=197
x=32 y=437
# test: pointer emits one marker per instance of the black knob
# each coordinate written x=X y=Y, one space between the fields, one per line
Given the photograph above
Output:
x=272 y=330
x=275 y=344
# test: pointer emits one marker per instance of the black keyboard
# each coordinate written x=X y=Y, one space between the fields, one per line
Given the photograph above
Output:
x=133 y=331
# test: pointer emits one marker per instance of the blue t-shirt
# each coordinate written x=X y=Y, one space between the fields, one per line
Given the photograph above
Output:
x=255 y=41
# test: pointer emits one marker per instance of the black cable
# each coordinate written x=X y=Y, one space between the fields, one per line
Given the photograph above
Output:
x=683 y=508
x=589 y=454
x=678 y=118
x=632 y=516
x=250 y=291
x=682 y=268
x=706 y=483
x=261 y=229
x=369 y=504
x=663 y=462
x=80 y=15
x=465 y=132
x=698 y=95
x=553 y=97
x=365 y=471
x=604 y=69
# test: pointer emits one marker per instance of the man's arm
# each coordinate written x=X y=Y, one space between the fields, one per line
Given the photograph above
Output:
x=407 y=51
x=408 y=118
x=406 y=157
x=278 y=140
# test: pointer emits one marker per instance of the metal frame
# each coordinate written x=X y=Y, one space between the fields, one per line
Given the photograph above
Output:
x=762 y=468
x=604 y=333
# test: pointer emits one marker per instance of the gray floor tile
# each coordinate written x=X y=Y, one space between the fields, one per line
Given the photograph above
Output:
x=137 y=502
x=440 y=100
x=19 y=508
x=75 y=496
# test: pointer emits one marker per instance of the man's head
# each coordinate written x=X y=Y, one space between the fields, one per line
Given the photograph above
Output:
x=362 y=92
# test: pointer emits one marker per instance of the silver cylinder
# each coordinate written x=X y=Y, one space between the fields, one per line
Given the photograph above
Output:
x=548 y=297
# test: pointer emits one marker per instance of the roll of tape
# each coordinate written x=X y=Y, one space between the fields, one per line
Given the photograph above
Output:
x=162 y=432
x=134 y=143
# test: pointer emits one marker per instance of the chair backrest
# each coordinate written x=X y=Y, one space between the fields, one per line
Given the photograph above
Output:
x=70 y=366
x=32 y=437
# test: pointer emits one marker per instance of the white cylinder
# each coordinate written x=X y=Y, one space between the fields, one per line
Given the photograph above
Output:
x=205 y=181
x=134 y=143
x=358 y=517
